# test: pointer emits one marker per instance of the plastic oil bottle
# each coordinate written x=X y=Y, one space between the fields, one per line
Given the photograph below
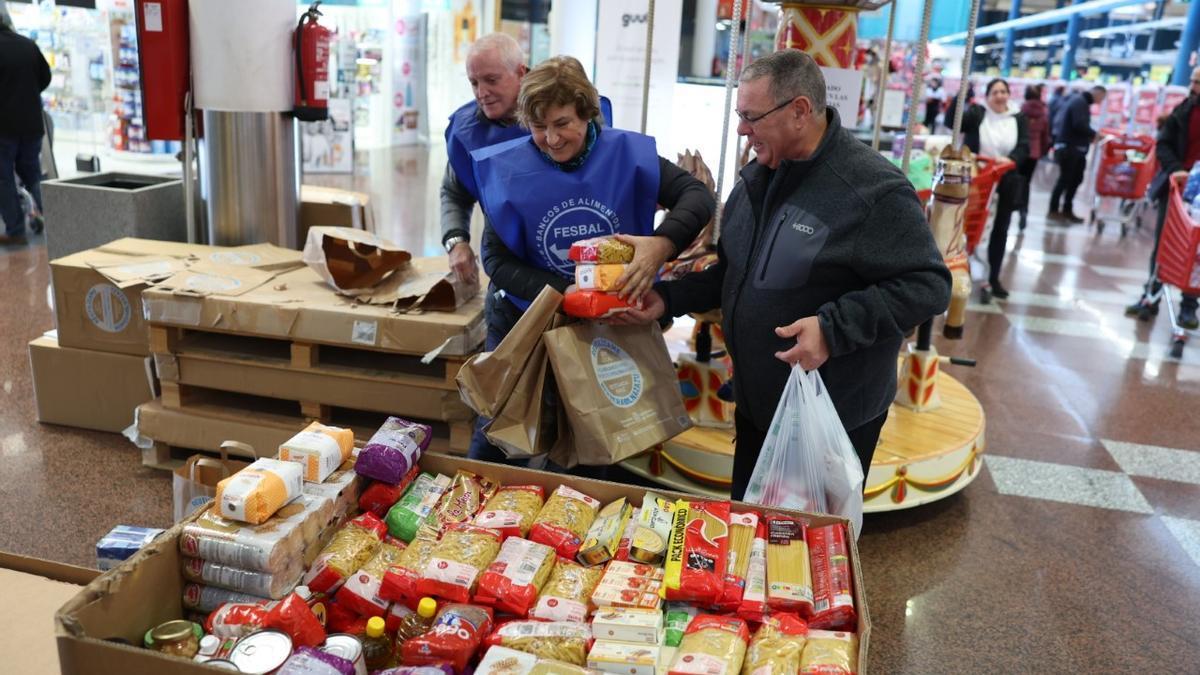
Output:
x=417 y=623
x=377 y=648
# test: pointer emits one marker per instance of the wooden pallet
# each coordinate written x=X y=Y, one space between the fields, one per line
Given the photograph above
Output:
x=171 y=457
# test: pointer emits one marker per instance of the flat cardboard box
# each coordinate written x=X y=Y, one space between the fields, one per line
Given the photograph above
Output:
x=300 y=306
x=98 y=293
x=87 y=389
x=34 y=589
x=145 y=590
x=331 y=206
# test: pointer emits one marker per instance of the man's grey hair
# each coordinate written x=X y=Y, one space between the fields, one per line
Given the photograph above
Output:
x=792 y=73
x=503 y=45
x=6 y=18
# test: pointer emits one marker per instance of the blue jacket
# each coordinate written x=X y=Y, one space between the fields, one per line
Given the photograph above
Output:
x=1073 y=121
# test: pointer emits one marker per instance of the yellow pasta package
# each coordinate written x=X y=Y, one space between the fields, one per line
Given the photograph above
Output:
x=564 y=521
x=464 y=552
x=776 y=646
x=350 y=549
x=829 y=653
x=255 y=493
x=563 y=641
x=512 y=509
x=712 y=645
x=320 y=449
x=789 y=575
x=599 y=277
x=565 y=595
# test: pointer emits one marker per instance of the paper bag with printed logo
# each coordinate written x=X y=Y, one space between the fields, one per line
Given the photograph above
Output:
x=618 y=387
x=528 y=423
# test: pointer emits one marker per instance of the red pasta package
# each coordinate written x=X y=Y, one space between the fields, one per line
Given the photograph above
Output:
x=753 y=607
x=600 y=250
x=379 y=497
x=293 y=616
x=512 y=509
x=697 y=552
x=236 y=619
x=563 y=641
x=464 y=552
x=341 y=619
x=513 y=581
x=400 y=580
x=564 y=521
x=591 y=304
x=350 y=549
x=832 y=578
x=361 y=591
x=742 y=527
x=455 y=637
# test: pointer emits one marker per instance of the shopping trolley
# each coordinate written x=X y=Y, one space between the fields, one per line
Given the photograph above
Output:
x=1177 y=262
x=1125 y=166
x=988 y=172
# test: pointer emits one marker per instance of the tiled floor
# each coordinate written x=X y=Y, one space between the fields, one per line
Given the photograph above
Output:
x=1078 y=550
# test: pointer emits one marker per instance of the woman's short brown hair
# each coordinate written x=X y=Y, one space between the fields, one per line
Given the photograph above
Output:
x=557 y=81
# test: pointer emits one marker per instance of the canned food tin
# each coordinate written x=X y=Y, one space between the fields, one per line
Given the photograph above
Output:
x=223 y=664
x=262 y=652
x=348 y=647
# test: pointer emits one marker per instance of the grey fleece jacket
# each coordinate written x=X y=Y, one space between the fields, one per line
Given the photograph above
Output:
x=841 y=236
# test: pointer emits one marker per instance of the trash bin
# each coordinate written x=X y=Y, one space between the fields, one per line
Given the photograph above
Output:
x=89 y=211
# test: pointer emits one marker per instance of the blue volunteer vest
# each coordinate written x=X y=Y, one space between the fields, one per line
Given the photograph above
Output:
x=467 y=133
x=539 y=210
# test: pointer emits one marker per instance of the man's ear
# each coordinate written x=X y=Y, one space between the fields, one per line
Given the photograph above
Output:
x=522 y=70
x=800 y=107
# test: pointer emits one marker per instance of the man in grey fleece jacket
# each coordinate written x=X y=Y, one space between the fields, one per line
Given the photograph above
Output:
x=826 y=260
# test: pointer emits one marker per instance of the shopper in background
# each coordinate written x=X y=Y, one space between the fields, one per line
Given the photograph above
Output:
x=1178 y=150
x=934 y=95
x=614 y=177
x=952 y=106
x=998 y=130
x=825 y=260
x=24 y=73
x=1056 y=101
x=1037 y=119
x=1073 y=133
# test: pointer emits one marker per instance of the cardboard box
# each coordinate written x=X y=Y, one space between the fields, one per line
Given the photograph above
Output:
x=87 y=389
x=300 y=306
x=34 y=589
x=146 y=590
x=331 y=206
x=98 y=293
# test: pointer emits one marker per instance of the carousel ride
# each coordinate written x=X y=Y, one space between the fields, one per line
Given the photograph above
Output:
x=932 y=442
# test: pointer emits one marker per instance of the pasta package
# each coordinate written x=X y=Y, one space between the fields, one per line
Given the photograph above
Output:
x=463 y=553
x=267 y=547
x=600 y=250
x=696 y=557
x=592 y=304
x=361 y=592
x=400 y=580
x=742 y=528
x=320 y=449
x=789 y=578
x=255 y=493
x=263 y=584
x=565 y=596
x=456 y=635
x=653 y=530
x=833 y=591
x=406 y=516
x=563 y=641
x=379 y=498
x=564 y=521
x=466 y=495
x=350 y=549
x=604 y=536
x=504 y=661
x=626 y=542
x=754 y=597
x=515 y=578
x=829 y=653
x=678 y=617
x=776 y=646
x=599 y=277
x=712 y=645
x=512 y=509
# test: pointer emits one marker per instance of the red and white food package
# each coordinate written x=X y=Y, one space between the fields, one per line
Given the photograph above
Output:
x=400 y=580
x=754 y=597
x=833 y=590
x=236 y=619
x=564 y=521
x=461 y=556
x=512 y=582
x=350 y=549
x=361 y=591
x=458 y=630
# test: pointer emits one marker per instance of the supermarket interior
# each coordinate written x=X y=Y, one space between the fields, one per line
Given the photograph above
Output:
x=642 y=337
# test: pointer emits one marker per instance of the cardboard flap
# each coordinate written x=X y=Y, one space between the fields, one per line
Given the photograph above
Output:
x=429 y=286
x=148 y=271
x=206 y=279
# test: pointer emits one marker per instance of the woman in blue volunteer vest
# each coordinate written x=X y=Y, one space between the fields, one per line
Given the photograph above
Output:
x=573 y=179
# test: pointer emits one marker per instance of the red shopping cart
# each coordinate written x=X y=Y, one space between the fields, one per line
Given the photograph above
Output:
x=1124 y=170
x=988 y=172
x=1177 y=262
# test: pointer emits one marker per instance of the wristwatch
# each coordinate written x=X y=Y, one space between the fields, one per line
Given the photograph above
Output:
x=451 y=242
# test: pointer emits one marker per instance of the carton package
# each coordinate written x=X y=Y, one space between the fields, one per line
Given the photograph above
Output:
x=38 y=587
x=121 y=542
x=147 y=589
x=320 y=449
x=257 y=492
x=65 y=382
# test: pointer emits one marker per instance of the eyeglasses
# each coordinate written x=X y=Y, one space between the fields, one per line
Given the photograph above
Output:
x=758 y=118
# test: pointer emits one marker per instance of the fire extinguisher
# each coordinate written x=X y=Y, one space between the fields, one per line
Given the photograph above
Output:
x=311 y=43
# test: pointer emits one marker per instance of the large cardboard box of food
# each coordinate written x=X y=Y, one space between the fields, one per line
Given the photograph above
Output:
x=85 y=388
x=145 y=590
x=97 y=293
x=299 y=305
x=34 y=589
x=321 y=206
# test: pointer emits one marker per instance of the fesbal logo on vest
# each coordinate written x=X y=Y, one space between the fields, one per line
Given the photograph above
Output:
x=569 y=221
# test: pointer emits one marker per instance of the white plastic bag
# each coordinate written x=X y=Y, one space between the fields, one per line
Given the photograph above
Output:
x=807 y=461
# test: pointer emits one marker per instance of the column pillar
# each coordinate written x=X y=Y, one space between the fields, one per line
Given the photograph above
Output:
x=1074 y=26
x=1010 y=41
x=1188 y=42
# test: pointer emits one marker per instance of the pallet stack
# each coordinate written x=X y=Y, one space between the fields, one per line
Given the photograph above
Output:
x=258 y=366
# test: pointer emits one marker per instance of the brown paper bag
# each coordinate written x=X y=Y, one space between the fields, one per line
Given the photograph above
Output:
x=527 y=425
x=352 y=261
x=486 y=380
x=618 y=387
